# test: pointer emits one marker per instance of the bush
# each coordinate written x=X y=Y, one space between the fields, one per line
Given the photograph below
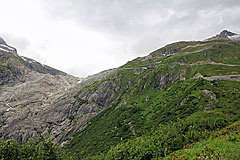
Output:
x=39 y=149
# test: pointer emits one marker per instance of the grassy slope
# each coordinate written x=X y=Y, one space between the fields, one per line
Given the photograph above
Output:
x=7 y=60
x=181 y=124
x=223 y=144
x=180 y=101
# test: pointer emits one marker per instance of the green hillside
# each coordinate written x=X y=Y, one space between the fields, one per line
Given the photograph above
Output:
x=178 y=94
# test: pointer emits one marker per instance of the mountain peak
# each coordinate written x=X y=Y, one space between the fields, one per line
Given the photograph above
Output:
x=227 y=33
x=224 y=35
x=2 y=41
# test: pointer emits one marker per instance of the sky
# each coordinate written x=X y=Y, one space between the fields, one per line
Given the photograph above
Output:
x=84 y=37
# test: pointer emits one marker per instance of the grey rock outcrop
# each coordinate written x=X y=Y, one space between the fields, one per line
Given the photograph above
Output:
x=31 y=101
x=38 y=67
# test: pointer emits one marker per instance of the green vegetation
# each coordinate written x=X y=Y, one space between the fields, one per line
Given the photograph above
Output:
x=154 y=113
x=203 y=105
x=208 y=70
x=80 y=100
x=175 y=116
x=33 y=149
x=8 y=59
x=224 y=52
x=194 y=120
x=224 y=144
x=172 y=48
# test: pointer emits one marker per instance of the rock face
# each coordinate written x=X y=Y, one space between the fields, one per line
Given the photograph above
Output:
x=38 y=100
x=38 y=67
x=25 y=93
x=226 y=33
x=44 y=104
x=24 y=104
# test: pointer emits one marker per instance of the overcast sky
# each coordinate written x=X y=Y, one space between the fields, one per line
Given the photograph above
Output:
x=83 y=37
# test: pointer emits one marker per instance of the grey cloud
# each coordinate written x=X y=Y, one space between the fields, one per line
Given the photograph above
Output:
x=136 y=18
x=146 y=44
x=145 y=25
x=82 y=70
x=131 y=18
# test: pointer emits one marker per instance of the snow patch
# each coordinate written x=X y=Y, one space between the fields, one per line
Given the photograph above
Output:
x=24 y=58
x=29 y=61
x=4 y=50
x=8 y=47
x=79 y=81
x=234 y=37
x=9 y=107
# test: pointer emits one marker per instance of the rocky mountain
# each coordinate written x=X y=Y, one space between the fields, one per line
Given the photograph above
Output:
x=13 y=67
x=38 y=67
x=225 y=35
x=37 y=99
x=147 y=108
x=26 y=88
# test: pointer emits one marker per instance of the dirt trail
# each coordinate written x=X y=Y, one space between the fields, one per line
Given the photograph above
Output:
x=224 y=77
x=207 y=62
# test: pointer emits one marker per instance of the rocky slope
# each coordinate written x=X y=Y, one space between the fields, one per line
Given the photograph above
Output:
x=38 y=100
x=13 y=68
